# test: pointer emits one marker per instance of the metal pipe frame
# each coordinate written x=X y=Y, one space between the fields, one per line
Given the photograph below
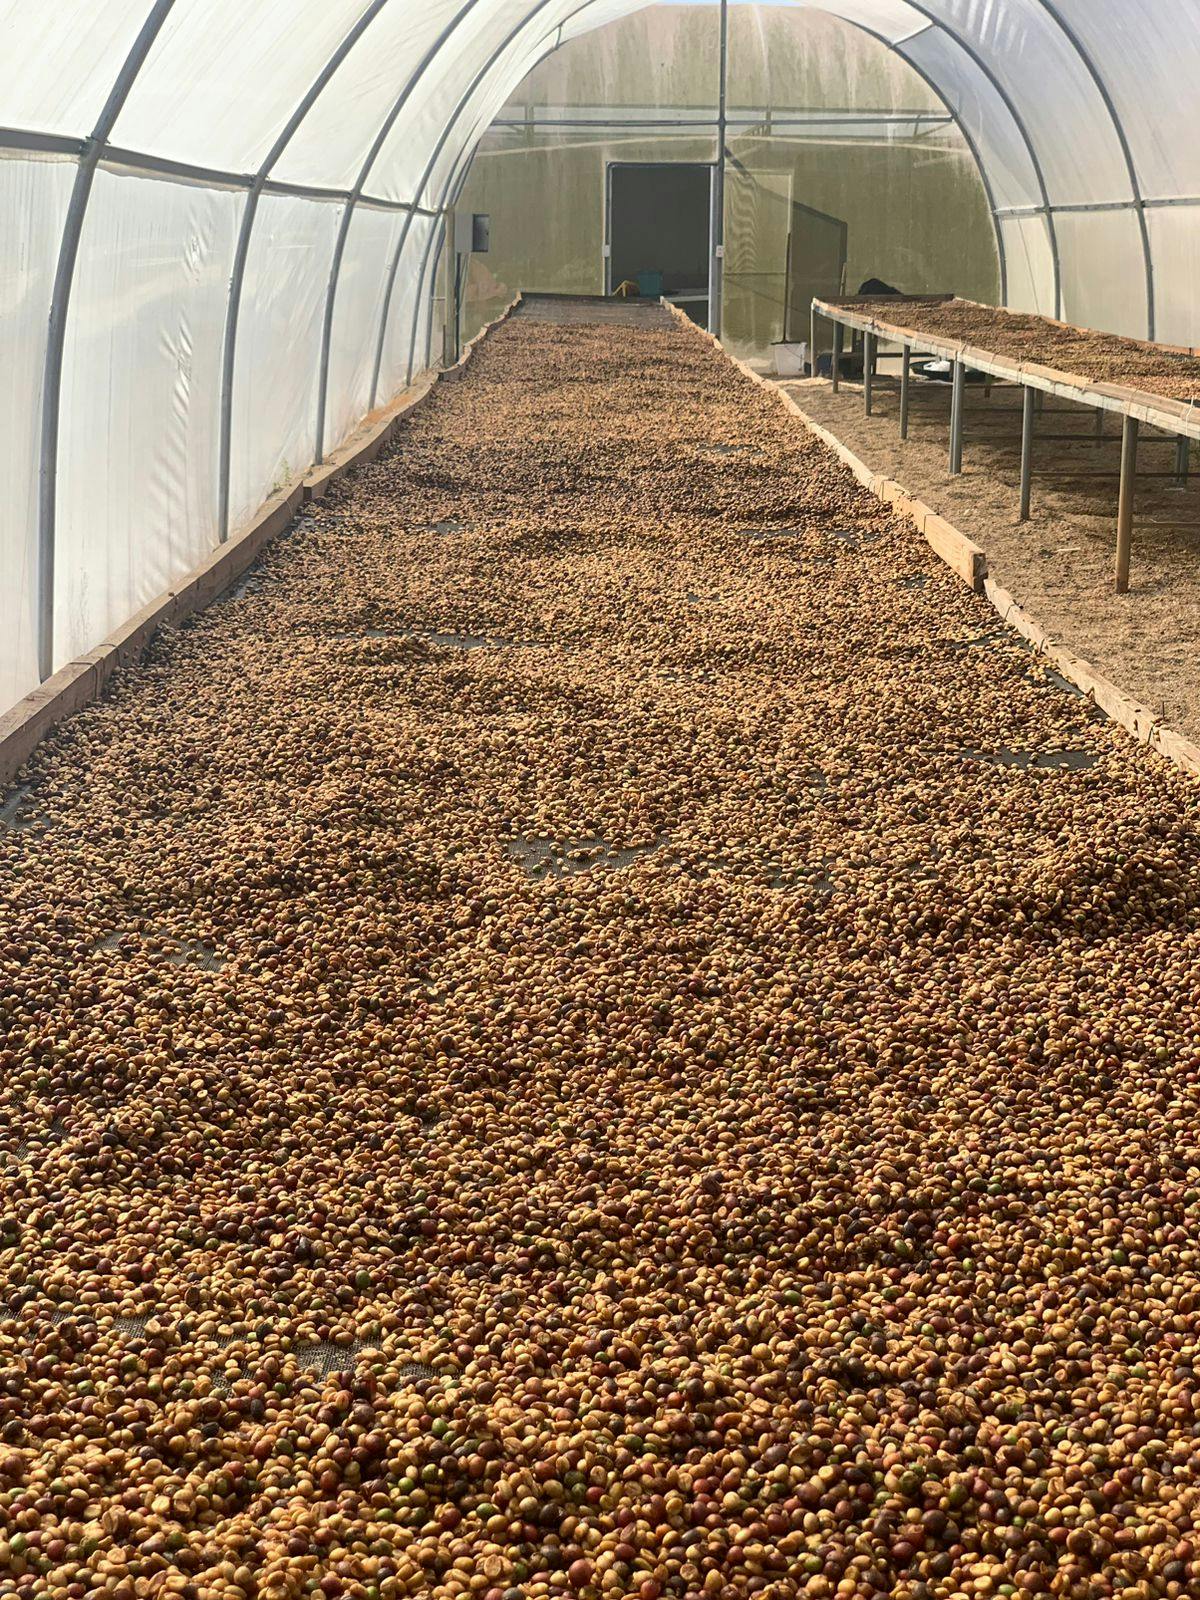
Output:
x=353 y=200
x=968 y=140
x=905 y=389
x=1028 y=419
x=869 y=342
x=464 y=100
x=835 y=365
x=1105 y=94
x=60 y=301
x=242 y=253
x=981 y=65
x=1129 y=448
x=957 y=390
x=716 y=266
x=449 y=196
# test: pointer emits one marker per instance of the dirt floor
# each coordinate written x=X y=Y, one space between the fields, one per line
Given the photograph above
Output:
x=598 y=1028
x=1059 y=565
x=1078 y=352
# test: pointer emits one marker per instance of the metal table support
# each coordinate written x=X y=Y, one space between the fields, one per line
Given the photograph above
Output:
x=1028 y=416
x=1129 y=447
x=956 y=418
x=835 y=367
x=869 y=346
x=812 y=342
x=905 y=397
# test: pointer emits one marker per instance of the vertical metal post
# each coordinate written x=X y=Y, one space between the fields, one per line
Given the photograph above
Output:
x=1129 y=449
x=450 y=309
x=716 y=267
x=956 y=418
x=869 y=342
x=1028 y=415
x=905 y=396
x=812 y=341
x=56 y=335
x=835 y=366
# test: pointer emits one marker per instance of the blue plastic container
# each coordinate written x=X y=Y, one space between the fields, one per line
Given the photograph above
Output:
x=649 y=285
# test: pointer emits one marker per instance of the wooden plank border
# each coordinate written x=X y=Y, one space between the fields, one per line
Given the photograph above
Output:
x=85 y=679
x=965 y=558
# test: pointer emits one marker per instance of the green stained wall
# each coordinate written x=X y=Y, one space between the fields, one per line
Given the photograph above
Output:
x=915 y=208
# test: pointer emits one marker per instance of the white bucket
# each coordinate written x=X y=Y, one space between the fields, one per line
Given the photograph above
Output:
x=790 y=359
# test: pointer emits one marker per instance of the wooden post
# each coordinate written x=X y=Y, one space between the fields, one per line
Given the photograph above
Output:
x=1028 y=414
x=905 y=373
x=956 y=418
x=869 y=342
x=835 y=366
x=1129 y=447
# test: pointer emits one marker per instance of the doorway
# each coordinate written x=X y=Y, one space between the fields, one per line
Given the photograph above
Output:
x=657 y=229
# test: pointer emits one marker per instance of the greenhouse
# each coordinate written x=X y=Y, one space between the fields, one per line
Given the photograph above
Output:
x=599 y=841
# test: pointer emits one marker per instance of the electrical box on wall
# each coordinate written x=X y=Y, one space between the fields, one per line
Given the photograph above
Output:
x=473 y=230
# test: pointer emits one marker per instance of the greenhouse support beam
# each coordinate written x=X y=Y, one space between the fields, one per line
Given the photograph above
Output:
x=982 y=66
x=1105 y=94
x=242 y=253
x=716 y=265
x=464 y=101
x=60 y=300
x=353 y=200
x=967 y=138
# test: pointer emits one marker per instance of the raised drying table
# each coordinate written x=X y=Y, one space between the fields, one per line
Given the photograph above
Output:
x=944 y=326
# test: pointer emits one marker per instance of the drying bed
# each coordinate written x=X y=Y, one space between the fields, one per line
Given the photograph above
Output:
x=1020 y=337
x=598 y=1031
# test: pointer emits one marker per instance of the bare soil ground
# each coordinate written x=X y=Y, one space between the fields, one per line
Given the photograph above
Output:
x=1059 y=565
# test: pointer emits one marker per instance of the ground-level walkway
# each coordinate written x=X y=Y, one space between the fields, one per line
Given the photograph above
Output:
x=599 y=1027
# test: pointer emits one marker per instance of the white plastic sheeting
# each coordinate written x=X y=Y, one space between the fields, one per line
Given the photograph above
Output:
x=155 y=405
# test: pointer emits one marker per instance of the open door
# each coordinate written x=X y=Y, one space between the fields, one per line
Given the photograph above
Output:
x=816 y=266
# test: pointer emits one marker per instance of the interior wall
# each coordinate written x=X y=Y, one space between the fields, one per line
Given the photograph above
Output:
x=906 y=183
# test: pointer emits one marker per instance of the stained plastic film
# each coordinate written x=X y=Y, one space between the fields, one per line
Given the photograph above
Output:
x=126 y=424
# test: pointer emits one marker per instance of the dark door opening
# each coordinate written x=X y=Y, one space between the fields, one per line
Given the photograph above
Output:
x=658 y=230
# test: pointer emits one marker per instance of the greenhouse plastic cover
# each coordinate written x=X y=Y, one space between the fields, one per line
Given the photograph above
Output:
x=220 y=222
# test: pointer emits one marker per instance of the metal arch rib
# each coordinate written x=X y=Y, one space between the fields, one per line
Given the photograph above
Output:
x=967 y=138
x=970 y=51
x=353 y=200
x=1135 y=186
x=463 y=102
x=450 y=191
x=452 y=186
x=60 y=300
x=242 y=252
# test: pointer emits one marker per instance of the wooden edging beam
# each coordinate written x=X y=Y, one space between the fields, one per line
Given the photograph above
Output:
x=84 y=679
x=969 y=562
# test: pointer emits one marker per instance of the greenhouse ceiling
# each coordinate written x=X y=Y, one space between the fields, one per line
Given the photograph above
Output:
x=178 y=346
